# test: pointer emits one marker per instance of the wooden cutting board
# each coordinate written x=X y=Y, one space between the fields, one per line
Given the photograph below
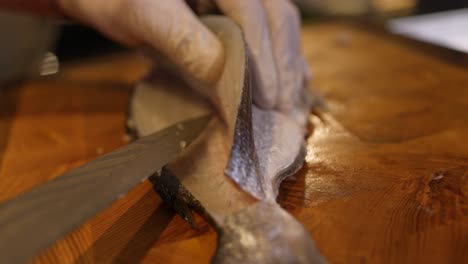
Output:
x=386 y=176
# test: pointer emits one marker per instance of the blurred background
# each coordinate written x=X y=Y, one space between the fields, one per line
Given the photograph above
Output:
x=34 y=46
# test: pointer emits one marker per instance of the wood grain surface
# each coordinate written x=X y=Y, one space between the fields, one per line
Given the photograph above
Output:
x=386 y=177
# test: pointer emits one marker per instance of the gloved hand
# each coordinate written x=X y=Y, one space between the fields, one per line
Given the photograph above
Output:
x=271 y=28
x=272 y=31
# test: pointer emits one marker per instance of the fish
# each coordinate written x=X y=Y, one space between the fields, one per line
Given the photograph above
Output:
x=231 y=174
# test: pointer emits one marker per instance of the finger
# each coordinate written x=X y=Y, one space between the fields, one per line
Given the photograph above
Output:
x=284 y=21
x=170 y=27
x=251 y=17
x=173 y=29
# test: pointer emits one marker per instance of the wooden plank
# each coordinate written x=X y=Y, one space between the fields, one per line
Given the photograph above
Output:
x=385 y=179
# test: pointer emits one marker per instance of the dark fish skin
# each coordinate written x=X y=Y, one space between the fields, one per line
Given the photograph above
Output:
x=264 y=233
x=174 y=194
x=243 y=165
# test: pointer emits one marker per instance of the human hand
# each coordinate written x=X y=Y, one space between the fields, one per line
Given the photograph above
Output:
x=271 y=28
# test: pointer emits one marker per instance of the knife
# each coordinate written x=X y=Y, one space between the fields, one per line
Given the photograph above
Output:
x=36 y=219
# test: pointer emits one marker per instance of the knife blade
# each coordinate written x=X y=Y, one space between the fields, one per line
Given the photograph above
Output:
x=34 y=220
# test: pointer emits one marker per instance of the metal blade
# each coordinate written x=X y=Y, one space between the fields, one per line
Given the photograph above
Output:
x=34 y=220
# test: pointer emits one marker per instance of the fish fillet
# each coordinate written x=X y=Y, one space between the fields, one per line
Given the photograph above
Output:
x=232 y=172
